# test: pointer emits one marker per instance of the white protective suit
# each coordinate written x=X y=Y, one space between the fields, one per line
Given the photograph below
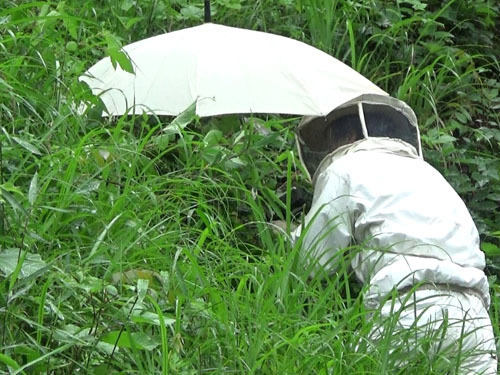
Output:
x=415 y=231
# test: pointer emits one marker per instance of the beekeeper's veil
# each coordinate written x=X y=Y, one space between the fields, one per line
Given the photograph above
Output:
x=363 y=117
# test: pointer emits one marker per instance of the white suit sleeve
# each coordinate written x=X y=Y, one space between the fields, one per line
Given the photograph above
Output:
x=328 y=225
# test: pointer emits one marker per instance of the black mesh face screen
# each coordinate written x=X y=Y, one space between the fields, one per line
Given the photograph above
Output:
x=311 y=159
x=326 y=134
x=385 y=121
x=343 y=130
x=321 y=135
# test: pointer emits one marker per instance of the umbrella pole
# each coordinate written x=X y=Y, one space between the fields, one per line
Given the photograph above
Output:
x=207 y=11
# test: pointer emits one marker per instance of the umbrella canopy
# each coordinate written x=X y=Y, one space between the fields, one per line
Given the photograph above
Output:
x=225 y=70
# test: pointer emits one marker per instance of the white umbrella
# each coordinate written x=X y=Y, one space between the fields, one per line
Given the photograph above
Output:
x=226 y=70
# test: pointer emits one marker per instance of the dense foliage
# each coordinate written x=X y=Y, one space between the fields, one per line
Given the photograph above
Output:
x=128 y=248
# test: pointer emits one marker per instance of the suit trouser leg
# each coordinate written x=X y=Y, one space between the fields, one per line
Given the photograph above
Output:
x=452 y=325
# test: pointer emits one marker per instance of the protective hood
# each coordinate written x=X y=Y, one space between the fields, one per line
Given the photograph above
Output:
x=367 y=116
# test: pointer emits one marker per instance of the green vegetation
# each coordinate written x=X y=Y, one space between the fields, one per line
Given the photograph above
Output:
x=126 y=250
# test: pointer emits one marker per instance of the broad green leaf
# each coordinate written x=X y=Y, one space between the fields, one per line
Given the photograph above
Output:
x=115 y=53
x=28 y=146
x=461 y=117
x=494 y=197
x=71 y=25
x=150 y=318
x=71 y=46
x=73 y=334
x=9 y=362
x=11 y=188
x=89 y=186
x=230 y=165
x=30 y=354
x=126 y=5
x=490 y=249
x=236 y=162
x=135 y=274
x=120 y=57
x=102 y=156
x=213 y=154
x=8 y=263
x=131 y=22
x=213 y=137
x=282 y=157
x=444 y=138
x=232 y=4
x=192 y=12
x=102 y=369
x=227 y=124
x=33 y=190
x=181 y=121
x=163 y=140
x=142 y=289
x=91 y=284
x=124 y=339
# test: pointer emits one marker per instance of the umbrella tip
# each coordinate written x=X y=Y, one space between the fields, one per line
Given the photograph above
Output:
x=207 y=11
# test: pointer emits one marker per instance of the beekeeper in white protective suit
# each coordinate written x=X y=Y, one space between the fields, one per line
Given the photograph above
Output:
x=373 y=188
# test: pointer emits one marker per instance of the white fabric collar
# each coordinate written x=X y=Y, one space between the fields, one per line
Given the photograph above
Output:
x=389 y=145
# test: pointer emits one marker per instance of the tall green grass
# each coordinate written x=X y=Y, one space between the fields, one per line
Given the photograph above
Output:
x=127 y=248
